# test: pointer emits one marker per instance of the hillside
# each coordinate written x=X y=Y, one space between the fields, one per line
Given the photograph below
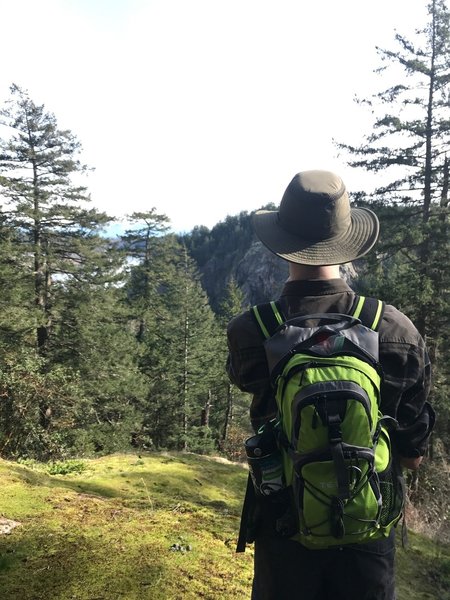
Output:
x=150 y=527
x=231 y=250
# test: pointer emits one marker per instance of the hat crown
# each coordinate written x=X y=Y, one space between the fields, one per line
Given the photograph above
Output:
x=315 y=206
x=315 y=224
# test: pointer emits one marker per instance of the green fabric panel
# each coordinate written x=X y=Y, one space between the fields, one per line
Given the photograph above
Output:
x=357 y=511
x=345 y=367
x=382 y=452
x=310 y=439
x=288 y=467
x=355 y=427
x=338 y=361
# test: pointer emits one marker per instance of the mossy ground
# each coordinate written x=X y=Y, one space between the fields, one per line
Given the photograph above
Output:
x=107 y=533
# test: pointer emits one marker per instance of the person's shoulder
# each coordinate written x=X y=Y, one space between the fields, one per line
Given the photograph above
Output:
x=241 y=323
x=396 y=326
x=242 y=329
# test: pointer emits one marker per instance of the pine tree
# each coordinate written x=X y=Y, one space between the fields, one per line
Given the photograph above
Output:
x=410 y=144
x=177 y=333
x=54 y=239
x=38 y=163
x=146 y=248
x=17 y=322
x=187 y=356
x=96 y=340
x=232 y=305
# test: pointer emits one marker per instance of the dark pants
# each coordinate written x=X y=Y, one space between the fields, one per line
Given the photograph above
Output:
x=285 y=570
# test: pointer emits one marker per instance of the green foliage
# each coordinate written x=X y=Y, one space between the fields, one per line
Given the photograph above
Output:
x=218 y=251
x=232 y=303
x=66 y=467
x=200 y=440
x=42 y=204
x=179 y=352
x=25 y=391
x=410 y=144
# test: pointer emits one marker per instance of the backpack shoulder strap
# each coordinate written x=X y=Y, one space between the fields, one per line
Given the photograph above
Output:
x=268 y=317
x=369 y=311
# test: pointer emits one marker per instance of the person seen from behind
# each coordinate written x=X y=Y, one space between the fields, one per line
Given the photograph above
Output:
x=316 y=230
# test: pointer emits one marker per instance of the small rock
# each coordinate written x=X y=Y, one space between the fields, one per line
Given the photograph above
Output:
x=7 y=525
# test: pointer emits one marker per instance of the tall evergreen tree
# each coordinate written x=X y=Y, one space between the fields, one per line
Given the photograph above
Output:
x=146 y=249
x=410 y=144
x=232 y=304
x=38 y=163
x=54 y=237
x=96 y=340
x=177 y=333
x=17 y=323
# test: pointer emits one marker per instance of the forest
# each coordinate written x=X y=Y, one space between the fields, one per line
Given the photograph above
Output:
x=112 y=343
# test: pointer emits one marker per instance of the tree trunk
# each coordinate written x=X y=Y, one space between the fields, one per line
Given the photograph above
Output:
x=206 y=410
x=422 y=321
x=228 y=413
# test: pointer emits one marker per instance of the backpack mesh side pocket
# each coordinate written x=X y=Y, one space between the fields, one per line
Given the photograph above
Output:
x=392 y=489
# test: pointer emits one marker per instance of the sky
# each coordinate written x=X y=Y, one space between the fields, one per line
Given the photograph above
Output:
x=202 y=108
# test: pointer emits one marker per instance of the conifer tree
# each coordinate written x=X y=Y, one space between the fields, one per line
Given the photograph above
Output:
x=186 y=359
x=38 y=163
x=17 y=323
x=409 y=144
x=96 y=341
x=145 y=245
x=55 y=237
x=177 y=333
x=232 y=305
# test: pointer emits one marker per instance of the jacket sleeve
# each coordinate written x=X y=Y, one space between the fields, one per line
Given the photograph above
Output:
x=247 y=367
x=406 y=386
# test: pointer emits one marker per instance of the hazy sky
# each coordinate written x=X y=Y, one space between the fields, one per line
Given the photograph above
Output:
x=201 y=108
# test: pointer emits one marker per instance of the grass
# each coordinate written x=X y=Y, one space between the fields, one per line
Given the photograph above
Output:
x=156 y=527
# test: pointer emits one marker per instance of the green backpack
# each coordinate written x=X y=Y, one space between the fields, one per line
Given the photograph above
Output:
x=334 y=442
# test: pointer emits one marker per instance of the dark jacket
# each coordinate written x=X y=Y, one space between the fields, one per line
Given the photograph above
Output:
x=403 y=357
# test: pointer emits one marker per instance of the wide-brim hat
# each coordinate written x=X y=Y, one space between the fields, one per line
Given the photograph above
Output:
x=315 y=224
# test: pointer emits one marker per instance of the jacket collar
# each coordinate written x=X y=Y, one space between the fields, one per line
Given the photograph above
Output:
x=315 y=287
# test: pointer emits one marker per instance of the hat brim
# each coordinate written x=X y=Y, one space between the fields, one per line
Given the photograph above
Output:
x=353 y=243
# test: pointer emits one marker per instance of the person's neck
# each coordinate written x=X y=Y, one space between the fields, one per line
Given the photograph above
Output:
x=308 y=272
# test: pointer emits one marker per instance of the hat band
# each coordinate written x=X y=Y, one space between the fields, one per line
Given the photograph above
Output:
x=314 y=232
